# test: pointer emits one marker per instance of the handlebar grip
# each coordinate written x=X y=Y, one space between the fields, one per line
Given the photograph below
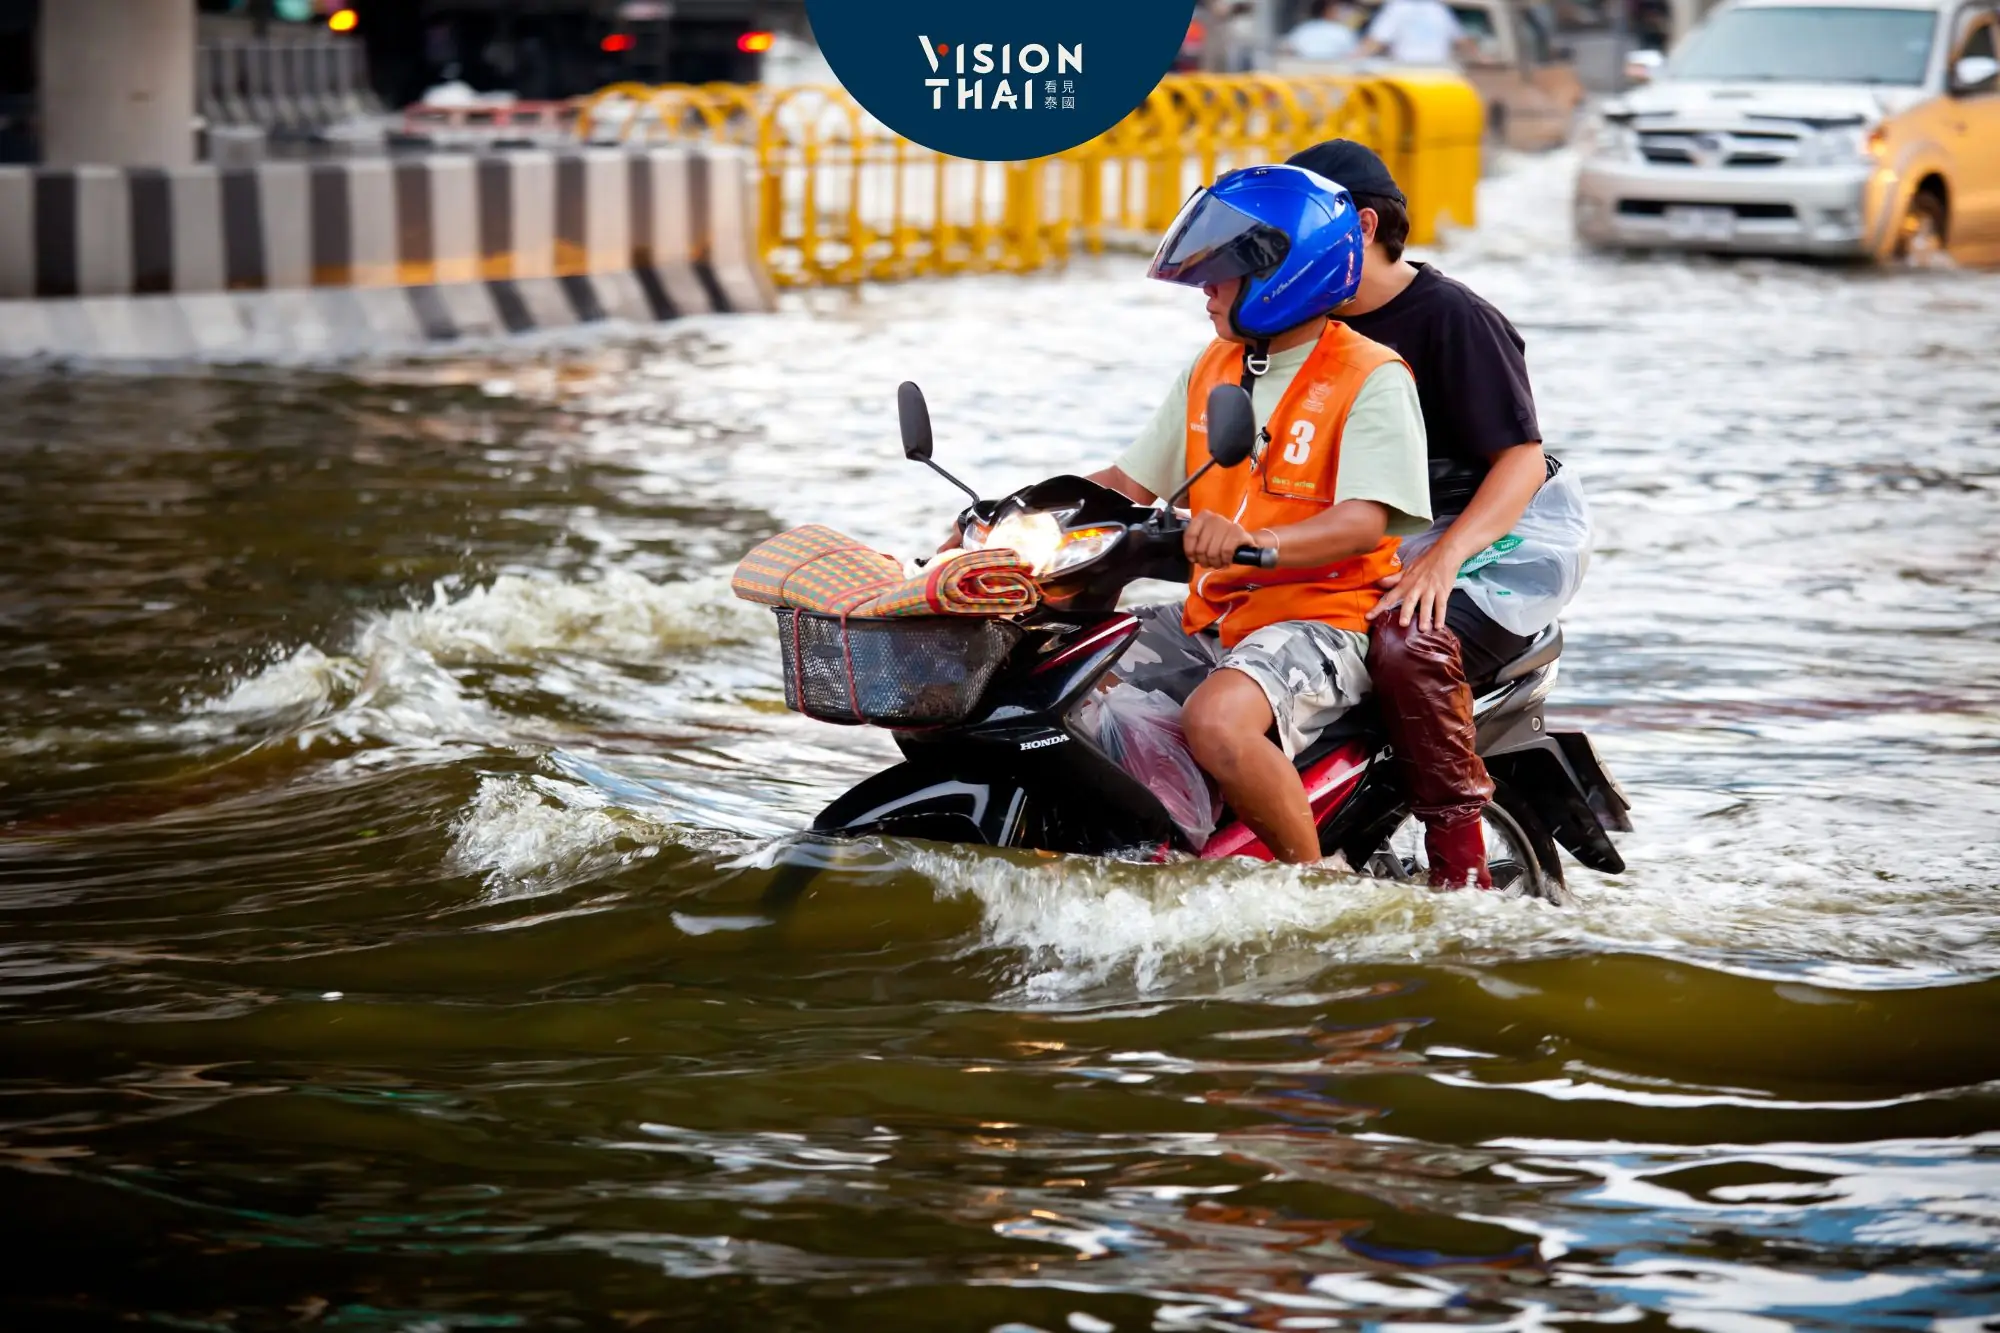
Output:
x=1262 y=557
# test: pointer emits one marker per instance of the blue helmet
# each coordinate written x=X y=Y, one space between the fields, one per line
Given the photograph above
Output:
x=1294 y=235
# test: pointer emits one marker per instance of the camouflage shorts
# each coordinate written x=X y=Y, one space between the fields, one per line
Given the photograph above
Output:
x=1310 y=672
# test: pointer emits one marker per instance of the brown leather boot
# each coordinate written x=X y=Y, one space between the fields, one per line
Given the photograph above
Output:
x=1427 y=708
x=1456 y=847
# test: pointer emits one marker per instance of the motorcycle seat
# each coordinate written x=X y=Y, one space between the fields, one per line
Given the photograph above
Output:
x=1546 y=648
x=1363 y=722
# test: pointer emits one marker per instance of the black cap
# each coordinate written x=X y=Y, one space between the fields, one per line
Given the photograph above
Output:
x=1350 y=164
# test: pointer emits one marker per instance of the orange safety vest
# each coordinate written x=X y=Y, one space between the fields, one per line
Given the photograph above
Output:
x=1290 y=478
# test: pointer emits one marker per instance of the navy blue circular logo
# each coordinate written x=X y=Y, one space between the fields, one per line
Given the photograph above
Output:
x=1000 y=80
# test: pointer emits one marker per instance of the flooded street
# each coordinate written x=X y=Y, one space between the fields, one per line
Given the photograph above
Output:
x=388 y=780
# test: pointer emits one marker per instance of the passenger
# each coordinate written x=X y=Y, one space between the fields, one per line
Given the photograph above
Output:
x=1418 y=32
x=1323 y=36
x=1511 y=539
x=1239 y=33
x=1337 y=476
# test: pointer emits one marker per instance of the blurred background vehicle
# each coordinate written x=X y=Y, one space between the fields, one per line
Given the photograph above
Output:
x=1526 y=78
x=1857 y=128
x=1509 y=52
x=299 y=77
x=553 y=49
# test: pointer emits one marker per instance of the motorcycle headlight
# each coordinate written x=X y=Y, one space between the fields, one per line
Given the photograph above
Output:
x=1080 y=547
x=1610 y=140
x=1845 y=145
x=1042 y=544
x=1033 y=537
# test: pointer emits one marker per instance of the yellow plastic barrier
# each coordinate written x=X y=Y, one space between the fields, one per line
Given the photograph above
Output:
x=1438 y=164
x=843 y=199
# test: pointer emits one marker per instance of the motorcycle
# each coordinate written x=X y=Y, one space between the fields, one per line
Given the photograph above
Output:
x=986 y=711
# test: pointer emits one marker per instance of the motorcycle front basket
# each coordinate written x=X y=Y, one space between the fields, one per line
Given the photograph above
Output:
x=909 y=671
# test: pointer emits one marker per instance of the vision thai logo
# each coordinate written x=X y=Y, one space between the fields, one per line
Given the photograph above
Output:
x=999 y=80
x=967 y=84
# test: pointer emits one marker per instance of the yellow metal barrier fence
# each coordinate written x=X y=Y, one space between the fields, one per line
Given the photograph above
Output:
x=843 y=198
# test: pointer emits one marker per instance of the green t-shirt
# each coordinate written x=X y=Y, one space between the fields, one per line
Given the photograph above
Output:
x=1382 y=451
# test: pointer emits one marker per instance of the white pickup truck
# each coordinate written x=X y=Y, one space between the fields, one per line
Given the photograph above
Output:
x=1860 y=128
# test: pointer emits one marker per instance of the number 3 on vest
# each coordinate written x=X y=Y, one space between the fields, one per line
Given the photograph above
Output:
x=1307 y=426
x=1299 y=448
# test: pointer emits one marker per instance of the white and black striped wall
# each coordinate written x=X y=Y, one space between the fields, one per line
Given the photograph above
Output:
x=358 y=255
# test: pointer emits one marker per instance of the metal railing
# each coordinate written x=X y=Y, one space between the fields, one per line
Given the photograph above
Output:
x=289 y=85
x=844 y=199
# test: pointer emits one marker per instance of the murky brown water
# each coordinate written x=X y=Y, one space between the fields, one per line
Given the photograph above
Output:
x=386 y=779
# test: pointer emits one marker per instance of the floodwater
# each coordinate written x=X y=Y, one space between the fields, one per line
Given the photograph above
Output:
x=387 y=781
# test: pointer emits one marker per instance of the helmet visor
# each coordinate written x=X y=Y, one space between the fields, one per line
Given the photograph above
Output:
x=1213 y=242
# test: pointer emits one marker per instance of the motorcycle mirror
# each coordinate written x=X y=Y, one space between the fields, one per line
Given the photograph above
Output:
x=1232 y=425
x=915 y=418
x=1973 y=74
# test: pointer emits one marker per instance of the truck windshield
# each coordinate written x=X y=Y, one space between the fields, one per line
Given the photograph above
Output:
x=1478 y=23
x=1798 y=44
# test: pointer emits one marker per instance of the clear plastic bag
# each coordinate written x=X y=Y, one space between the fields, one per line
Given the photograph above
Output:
x=1524 y=580
x=1140 y=730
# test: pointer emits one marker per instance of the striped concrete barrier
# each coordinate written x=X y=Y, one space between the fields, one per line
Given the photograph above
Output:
x=337 y=258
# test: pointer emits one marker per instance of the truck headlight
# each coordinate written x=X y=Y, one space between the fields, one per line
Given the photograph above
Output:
x=1610 y=140
x=1842 y=146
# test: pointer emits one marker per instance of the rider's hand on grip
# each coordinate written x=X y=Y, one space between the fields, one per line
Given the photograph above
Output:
x=1214 y=541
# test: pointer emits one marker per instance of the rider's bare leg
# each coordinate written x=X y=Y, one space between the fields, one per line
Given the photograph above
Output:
x=1226 y=719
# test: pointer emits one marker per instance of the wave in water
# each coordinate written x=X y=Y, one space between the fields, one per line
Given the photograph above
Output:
x=1075 y=925
x=401 y=679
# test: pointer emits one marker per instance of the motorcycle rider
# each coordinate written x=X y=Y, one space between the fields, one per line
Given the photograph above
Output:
x=1491 y=487
x=1338 y=476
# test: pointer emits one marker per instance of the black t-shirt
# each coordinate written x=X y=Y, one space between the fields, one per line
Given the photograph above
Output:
x=1472 y=378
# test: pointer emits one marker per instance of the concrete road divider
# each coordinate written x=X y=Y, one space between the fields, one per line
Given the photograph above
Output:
x=353 y=256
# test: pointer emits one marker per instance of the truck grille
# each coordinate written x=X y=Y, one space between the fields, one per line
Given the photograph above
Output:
x=1718 y=148
x=1653 y=208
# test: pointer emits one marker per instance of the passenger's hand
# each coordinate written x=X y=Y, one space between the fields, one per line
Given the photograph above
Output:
x=1422 y=589
x=952 y=542
x=1212 y=540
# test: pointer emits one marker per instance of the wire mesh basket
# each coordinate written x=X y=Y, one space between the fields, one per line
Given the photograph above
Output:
x=912 y=671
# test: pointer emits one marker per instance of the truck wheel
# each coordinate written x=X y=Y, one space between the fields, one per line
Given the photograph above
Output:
x=1920 y=236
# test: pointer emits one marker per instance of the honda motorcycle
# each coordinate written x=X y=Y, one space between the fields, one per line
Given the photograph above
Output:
x=986 y=711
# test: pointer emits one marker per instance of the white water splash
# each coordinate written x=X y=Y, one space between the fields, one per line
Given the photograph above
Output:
x=533 y=836
x=400 y=681
x=1081 y=922
x=540 y=834
x=618 y=617
x=306 y=678
x=1731 y=899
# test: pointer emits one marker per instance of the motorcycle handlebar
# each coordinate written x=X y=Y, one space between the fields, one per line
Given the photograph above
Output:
x=1257 y=557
